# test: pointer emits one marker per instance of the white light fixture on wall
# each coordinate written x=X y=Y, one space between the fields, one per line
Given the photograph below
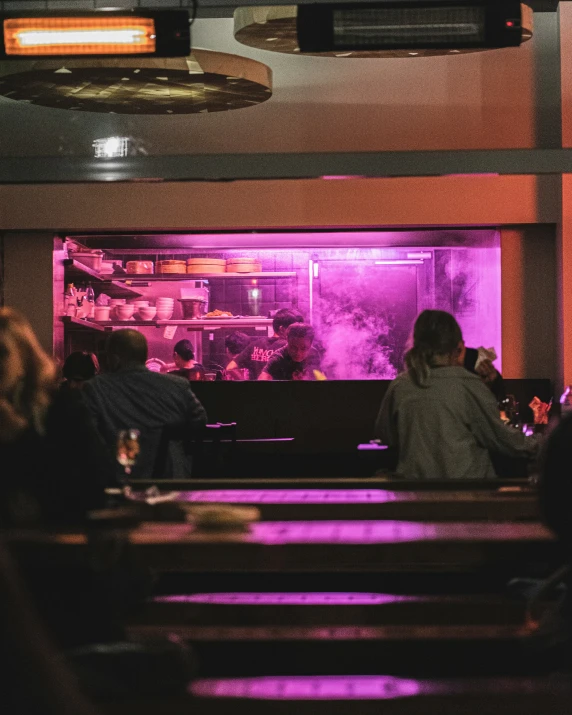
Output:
x=111 y=147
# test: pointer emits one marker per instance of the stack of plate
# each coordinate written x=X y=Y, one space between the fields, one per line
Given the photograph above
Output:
x=165 y=308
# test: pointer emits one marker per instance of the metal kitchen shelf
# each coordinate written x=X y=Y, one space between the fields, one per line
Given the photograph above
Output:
x=205 y=324
x=151 y=277
x=76 y=271
x=208 y=323
x=80 y=324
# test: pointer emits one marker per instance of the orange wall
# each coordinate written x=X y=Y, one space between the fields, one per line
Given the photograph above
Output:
x=440 y=201
x=529 y=302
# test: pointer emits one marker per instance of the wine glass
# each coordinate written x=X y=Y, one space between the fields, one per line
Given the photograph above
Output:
x=128 y=449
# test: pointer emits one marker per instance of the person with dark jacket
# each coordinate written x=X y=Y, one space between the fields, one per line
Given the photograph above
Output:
x=476 y=360
x=163 y=408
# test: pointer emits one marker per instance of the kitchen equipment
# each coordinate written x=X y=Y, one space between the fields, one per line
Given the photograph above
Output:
x=206 y=265
x=243 y=265
x=91 y=259
x=139 y=267
x=171 y=266
x=193 y=308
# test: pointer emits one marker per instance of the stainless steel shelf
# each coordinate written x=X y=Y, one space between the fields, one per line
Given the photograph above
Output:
x=152 y=277
x=209 y=323
x=205 y=324
x=80 y=324
x=104 y=283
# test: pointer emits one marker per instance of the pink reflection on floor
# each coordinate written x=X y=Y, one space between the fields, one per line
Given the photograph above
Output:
x=356 y=687
x=287 y=599
x=289 y=496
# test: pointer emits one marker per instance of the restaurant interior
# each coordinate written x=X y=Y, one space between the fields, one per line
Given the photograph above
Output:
x=356 y=186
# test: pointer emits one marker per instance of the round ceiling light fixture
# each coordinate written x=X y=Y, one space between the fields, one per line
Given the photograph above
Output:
x=204 y=82
x=273 y=28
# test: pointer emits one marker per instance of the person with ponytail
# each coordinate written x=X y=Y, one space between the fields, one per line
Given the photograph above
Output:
x=441 y=419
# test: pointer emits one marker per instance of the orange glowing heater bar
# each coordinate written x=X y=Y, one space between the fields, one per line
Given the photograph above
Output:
x=164 y=33
x=79 y=36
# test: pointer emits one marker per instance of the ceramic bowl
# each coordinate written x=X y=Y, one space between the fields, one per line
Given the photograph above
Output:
x=124 y=312
x=147 y=312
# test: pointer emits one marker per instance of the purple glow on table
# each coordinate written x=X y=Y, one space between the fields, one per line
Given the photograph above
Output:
x=355 y=687
x=287 y=599
x=341 y=532
x=383 y=532
x=289 y=496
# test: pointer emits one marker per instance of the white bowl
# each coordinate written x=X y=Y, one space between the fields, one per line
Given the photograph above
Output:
x=164 y=314
x=147 y=312
x=124 y=312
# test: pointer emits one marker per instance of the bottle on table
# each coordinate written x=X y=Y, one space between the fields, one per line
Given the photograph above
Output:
x=70 y=300
x=89 y=301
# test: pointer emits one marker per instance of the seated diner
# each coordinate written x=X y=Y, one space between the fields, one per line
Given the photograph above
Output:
x=442 y=420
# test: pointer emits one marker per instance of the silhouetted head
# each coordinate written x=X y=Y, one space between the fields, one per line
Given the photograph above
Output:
x=437 y=341
x=80 y=366
x=126 y=348
x=183 y=352
x=283 y=319
x=235 y=343
x=300 y=337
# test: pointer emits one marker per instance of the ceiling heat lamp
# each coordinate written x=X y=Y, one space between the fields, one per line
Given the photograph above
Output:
x=430 y=25
x=99 y=34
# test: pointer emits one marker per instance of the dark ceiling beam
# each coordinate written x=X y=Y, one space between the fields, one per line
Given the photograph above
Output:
x=225 y=8
x=234 y=167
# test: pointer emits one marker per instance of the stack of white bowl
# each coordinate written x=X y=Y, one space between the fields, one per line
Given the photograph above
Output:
x=165 y=307
x=113 y=303
x=125 y=311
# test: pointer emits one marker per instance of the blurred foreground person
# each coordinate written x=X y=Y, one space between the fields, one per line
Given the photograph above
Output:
x=161 y=407
x=54 y=465
x=440 y=418
x=550 y=600
x=34 y=679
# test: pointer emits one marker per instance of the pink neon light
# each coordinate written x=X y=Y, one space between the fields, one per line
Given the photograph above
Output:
x=290 y=496
x=357 y=687
x=384 y=532
x=287 y=599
